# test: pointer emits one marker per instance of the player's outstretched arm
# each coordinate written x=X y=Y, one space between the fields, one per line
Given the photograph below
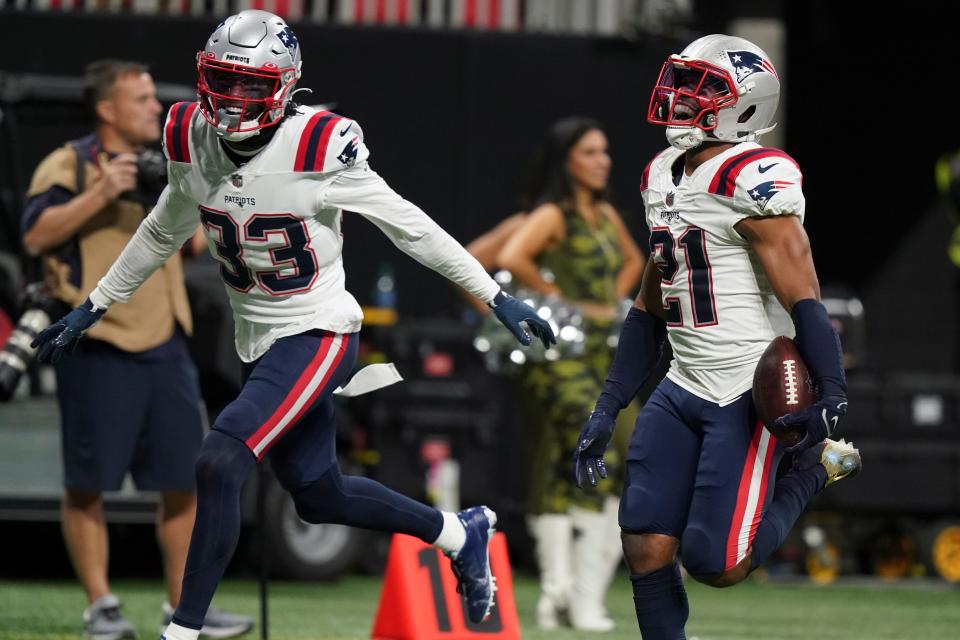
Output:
x=161 y=234
x=783 y=248
x=360 y=189
x=638 y=350
x=172 y=221
x=485 y=249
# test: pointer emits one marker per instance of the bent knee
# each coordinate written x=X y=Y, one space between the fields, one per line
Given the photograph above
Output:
x=646 y=552
x=222 y=458
x=728 y=578
x=703 y=554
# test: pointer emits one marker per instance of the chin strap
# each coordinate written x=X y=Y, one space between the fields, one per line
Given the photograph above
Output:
x=753 y=136
x=759 y=132
x=685 y=138
x=234 y=136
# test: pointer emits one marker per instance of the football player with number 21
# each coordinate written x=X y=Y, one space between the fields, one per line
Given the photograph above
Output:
x=728 y=255
x=269 y=181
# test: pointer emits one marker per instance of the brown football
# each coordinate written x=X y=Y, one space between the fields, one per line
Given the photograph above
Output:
x=781 y=385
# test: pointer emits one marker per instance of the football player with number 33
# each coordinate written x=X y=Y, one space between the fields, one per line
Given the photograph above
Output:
x=728 y=255
x=269 y=181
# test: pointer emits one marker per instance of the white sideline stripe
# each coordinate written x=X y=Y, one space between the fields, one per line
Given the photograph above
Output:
x=753 y=497
x=304 y=397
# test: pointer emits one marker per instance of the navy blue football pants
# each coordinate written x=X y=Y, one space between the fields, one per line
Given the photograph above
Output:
x=699 y=472
x=285 y=410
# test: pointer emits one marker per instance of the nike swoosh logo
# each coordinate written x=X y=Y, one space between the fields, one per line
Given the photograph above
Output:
x=841 y=405
x=764 y=169
x=826 y=422
x=344 y=131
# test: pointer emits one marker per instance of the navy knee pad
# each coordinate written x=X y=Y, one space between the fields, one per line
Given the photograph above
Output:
x=701 y=554
x=640 y=513
x=223 y=460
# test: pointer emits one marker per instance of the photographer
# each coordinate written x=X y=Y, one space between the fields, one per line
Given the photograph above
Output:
x=129 y=396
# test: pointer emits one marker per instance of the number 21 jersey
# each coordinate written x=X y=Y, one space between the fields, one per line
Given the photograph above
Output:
x=720 y=310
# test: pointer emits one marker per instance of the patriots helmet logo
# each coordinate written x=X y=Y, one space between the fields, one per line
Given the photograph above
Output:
x=763 y=192
x=289 y=41
x=748 y=63
x=349 y=154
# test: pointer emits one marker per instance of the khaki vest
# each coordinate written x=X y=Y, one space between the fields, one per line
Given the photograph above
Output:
x=145 y=321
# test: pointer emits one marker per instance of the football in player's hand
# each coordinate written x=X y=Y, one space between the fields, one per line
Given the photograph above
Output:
x=781 y=385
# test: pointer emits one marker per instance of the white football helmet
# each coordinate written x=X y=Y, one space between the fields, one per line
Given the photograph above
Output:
x=246 y=73
x=720 y=88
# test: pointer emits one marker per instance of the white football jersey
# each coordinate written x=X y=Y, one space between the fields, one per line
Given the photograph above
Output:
x=274 y=224
x=721 y=312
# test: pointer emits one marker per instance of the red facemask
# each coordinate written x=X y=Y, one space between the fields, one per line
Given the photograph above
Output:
x=242 y=98
x=690 y=93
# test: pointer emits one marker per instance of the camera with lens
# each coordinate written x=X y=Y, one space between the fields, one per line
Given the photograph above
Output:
x=151 y=178
x=39 y=309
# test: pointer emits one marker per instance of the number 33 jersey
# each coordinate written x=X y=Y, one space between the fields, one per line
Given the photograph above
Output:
x=274 y=224
x=720 y=309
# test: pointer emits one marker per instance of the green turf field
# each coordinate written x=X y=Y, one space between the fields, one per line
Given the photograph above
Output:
x=344 y=610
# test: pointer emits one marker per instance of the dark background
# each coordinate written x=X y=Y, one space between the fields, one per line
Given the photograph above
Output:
x=452 y=117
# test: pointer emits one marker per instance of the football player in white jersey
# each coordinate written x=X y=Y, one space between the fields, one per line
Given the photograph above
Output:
x=730 y=257
x=269 y=180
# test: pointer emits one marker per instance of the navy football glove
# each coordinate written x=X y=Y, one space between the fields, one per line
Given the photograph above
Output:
x=819 y=421
x=63 y=335
x=594 y=439
x=511 y=312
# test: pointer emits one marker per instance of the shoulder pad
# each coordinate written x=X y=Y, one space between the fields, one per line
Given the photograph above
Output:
x=176 y=132
x=645 y=178
x=725 y=180
x=329 y=142
x=768 y=183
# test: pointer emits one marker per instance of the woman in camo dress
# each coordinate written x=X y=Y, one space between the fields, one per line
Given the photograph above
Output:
x=573 y=232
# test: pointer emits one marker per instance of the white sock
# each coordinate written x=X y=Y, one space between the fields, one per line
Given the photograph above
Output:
x=452 y=536
x=176 y=632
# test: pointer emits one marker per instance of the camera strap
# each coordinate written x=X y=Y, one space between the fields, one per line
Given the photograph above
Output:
x=81 y=169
